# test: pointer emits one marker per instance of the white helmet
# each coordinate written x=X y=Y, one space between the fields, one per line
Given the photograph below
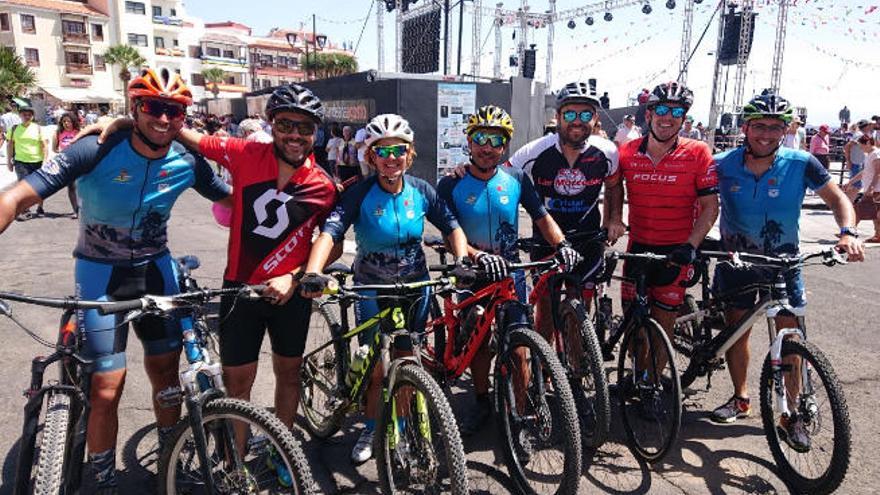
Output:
x=388 y=125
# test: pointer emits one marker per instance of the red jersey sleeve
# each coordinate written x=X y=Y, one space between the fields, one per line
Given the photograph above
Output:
x=228 y=152
x=707 y=175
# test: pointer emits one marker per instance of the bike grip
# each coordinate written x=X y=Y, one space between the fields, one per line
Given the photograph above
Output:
x=259 y=288
x=121 y=306
x=440 y=268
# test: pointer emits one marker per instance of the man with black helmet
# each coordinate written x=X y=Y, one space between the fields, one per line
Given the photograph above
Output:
x=672 y=195
x=762 y=187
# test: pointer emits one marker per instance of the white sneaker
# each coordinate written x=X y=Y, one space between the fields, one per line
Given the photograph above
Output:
x=363 y=449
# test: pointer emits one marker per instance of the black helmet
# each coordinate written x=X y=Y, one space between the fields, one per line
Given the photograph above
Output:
x=768 y=106
x=577 y=92
x=672 y=92
x=295 y=98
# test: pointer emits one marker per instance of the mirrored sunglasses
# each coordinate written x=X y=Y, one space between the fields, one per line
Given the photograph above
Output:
x=495 y=140
x=157 y=108
x=663 y=110
x=397 y=150
x=572 y=115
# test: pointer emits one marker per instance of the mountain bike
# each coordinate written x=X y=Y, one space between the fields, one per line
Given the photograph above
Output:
x=797 y=380
x=575 y=339
x=648 y=389
x=420 y=450
x=533 y=399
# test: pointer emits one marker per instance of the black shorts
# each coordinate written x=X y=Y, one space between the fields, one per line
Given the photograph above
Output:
x=243 y=324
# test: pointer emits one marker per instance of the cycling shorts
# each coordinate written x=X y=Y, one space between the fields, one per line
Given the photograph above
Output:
x=243 y=323
x=416 y=317
x=728 y=278
x=105 y=342
x=664 y=281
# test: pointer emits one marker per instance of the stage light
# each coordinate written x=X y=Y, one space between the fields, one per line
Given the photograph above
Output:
x=698 y=1
x=646 y=9
x=589 y=20
x=608 y=16
x=571 y=24
x=670 y=4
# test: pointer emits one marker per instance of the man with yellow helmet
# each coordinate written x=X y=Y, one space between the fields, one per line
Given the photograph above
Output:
x=486 y=202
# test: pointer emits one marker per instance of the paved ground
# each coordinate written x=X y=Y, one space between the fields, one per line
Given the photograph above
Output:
x=844 y=306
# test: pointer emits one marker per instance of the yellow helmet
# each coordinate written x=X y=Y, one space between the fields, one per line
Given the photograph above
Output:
x=490 y=117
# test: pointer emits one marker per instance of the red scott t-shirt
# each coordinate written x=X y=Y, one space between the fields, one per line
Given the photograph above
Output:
x=663 y=196
x=271 y=232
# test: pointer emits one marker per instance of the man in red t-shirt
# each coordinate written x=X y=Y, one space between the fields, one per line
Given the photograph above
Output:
x=672 y=192
x=280 y=195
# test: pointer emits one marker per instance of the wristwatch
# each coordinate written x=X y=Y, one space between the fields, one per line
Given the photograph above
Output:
x=850 y=231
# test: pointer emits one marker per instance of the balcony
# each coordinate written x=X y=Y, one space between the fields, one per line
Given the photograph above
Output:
x=167 y=20
x=75 y=38
x=79 y=69
x=169 y=52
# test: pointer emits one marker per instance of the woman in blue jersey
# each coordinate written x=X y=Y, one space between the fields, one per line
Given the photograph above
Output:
x=388 y=212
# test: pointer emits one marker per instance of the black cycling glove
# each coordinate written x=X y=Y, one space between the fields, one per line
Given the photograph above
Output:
x=567 y=256
x=495 y=266
x=313 y=282
x=463 y=273
x=684 y=254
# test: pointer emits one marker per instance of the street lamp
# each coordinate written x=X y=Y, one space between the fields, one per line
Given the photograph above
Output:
x=318 y=42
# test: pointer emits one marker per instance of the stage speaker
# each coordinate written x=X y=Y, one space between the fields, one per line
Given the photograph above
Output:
x=730 y=40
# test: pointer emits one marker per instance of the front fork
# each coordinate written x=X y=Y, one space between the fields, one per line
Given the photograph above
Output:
x=777 y=367
x=422 y=417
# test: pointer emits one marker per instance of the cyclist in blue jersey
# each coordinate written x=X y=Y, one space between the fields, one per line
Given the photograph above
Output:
x=762 y=187
x=486 y=201
x=388 y=211
x=127 y=187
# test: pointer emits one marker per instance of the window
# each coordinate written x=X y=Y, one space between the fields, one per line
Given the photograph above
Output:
x=99 y=63
x=267 y=60
x=229 y=80
x=73 y=27
x=213 y=52
x=228 y=54
x=195 y=51
x=135 y=39
x=282 y=61
x=294 y=61
x=4 y=22
x=157 y=11
x=173 y=13
x=267 y=84
x=175 y=44
x=159 y=42
x=32 y=57
x=97 y=32
x=76 y=58
x=198 y=80
x=27 y=24
x=135 y=8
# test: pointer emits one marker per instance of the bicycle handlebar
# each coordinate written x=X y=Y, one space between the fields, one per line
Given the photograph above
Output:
x=830 y=257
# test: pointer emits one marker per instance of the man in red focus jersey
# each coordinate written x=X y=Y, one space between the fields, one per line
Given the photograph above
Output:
x=672 y=191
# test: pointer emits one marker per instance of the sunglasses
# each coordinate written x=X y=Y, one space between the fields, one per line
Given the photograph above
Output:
x=157 y=108
x=768 y=128
x=662 y=110
x=286 y=126
x=571 y=115
x=495 y=140
x=397 y=150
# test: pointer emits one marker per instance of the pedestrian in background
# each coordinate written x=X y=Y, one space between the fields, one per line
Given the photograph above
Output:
x=68 y=127
x=795 y=136
x=820 y=145
x=26 y=148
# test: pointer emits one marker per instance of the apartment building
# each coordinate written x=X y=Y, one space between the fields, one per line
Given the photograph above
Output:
x=62 y=41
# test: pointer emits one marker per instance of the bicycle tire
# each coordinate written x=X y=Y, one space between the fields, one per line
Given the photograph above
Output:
x=589 y=385
x=685 y=337
x=49 y=476
x=669 y=388
x=321 y=373
x=831 y=478
x=443 y=422
x=566 y=413
x=277 y=436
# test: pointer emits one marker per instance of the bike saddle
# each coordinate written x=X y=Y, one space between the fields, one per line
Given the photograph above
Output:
x=190 y=262
x=336 y=268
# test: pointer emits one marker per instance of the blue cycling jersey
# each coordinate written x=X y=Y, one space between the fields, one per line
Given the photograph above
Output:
x=488 y=211
x=125 y=198
x=388 y=228
x=762 y=214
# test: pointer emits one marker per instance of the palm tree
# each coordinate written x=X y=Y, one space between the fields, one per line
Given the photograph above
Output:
x=15 y=75
x=215 y=76
x=324 y=65
x=125 y=56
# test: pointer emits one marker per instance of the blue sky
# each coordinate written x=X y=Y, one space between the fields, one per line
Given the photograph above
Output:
x=830 y=58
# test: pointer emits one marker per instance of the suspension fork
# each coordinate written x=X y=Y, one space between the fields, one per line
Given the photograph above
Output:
x=777 y=367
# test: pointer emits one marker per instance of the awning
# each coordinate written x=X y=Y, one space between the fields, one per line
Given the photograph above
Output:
x=82 y=95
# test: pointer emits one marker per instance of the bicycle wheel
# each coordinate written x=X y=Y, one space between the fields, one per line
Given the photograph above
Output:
x=262 y=456
x=53 y=444
x=323 y=375
x=538 y=417
x=421 y=450
x=649 y=392
x=686 y=337
x=586 y=373
x=821 y=406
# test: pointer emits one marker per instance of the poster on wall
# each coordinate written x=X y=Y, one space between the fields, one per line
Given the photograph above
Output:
x=455 y=102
